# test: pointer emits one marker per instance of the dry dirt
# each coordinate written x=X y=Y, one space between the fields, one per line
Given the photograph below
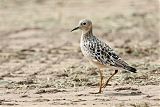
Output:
x=41 y=63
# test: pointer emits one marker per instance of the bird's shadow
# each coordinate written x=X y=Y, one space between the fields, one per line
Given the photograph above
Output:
x=123 y=93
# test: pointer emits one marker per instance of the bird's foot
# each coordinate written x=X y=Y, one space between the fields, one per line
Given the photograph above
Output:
x=104 y=85
x=99 y=92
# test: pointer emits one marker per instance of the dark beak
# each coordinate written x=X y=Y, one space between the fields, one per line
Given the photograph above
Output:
x=75 y=29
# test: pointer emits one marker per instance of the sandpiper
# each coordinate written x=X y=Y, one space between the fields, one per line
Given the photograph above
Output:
x=98 y=52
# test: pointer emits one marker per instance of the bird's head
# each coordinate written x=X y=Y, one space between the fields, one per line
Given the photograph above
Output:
x=85 y=25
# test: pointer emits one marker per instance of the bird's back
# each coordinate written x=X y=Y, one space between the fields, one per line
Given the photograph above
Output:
x=97 y=50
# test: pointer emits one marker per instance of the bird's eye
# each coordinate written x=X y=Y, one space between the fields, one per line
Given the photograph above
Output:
x=84 y=23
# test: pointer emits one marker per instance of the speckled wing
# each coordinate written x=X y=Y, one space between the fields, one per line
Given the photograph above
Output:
x=104 y=54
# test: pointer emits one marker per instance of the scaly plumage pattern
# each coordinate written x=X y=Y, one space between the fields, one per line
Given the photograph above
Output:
x=98 y=51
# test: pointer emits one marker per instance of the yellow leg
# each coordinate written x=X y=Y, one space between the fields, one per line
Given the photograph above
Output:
x=106 y=83
x=101 y=83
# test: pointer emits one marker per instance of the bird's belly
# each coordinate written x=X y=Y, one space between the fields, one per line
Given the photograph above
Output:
x=98 y=64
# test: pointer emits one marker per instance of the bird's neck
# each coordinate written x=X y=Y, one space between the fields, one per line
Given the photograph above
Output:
x=87 y=34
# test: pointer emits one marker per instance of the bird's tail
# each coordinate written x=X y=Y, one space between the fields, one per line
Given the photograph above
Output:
x=129 y=68
x=124 y=65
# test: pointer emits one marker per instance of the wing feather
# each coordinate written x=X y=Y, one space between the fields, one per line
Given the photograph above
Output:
x=105 y=54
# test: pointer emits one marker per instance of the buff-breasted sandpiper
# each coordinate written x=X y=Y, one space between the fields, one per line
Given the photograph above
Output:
x=98 y=52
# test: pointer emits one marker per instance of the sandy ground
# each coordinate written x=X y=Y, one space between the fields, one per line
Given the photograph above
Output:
x=41 y=63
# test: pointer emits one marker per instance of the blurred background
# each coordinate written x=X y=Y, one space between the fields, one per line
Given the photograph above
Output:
x=39 y=54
